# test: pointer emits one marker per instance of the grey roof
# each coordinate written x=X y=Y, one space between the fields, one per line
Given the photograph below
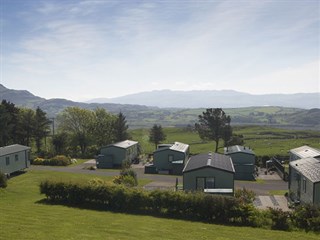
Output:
x=308 y=167
x=237 y=148
x=12 y=149
x=180 y=147
x=305 y=152
x=213 y=160
x=123 y=144
x=177 y=146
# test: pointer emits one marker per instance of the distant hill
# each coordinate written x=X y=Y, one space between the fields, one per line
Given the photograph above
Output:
x=52 y=107
x=214 y=98
x=140 y=116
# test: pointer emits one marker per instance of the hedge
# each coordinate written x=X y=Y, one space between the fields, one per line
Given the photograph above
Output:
x=183 y=205
x=199 y=206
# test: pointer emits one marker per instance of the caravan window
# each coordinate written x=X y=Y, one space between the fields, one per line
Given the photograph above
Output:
x=209 y=183
x=16 y=157
x=7 y=160
x=304 y=185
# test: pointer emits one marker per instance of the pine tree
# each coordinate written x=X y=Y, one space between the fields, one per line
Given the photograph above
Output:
x=156 y=135
x=41 y=127
x=120 y=128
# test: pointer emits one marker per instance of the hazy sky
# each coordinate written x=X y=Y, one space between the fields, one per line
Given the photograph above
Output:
x=85 y=49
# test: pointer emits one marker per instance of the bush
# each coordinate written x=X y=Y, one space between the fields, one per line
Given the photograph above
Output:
x=3 y=180
x=128 y=177
x=126 y=180
x=59 y=160
x=38 y=161
x=280 y=219
x=307 y=217
x=245 y=196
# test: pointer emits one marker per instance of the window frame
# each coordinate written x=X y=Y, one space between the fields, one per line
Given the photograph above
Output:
x=7 y=161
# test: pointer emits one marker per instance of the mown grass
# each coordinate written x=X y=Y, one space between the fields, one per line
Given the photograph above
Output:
x=263 y=140
x=23 y=216
x=278 y=192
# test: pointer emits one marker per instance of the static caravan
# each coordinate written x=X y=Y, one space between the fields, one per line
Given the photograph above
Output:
x=170 y=158
x=304 y=180
x=114 y=155
x=14 y=158
x=243 y=159
x=210 y=173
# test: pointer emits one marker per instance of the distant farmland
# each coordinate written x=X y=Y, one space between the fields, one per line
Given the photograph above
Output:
x=263 y=140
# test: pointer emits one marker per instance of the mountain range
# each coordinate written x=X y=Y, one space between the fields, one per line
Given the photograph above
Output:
x=214 y=98
x=139 y=116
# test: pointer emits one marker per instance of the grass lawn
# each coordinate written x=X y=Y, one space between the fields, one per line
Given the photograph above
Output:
x=23 y=217
x=278 y=192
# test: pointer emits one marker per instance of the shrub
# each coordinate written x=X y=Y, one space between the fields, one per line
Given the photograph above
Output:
x=3 y=180
x=307 y=217
x=280 y=219
x=96 y=182
x=128 y=177
x=126 y=180
x=245 y=196
x=130 y=172
x=59 y=160
x=38 y=161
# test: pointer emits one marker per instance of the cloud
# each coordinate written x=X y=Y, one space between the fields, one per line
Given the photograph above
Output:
x=110 y=48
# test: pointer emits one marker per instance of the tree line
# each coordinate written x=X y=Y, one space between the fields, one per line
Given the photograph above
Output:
x=80 y=132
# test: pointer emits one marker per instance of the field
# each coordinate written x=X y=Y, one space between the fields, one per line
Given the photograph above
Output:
x=262 y=139
x=23 y=216
x=267 y=115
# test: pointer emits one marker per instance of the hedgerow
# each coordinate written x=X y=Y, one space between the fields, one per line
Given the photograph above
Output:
x=198 y=206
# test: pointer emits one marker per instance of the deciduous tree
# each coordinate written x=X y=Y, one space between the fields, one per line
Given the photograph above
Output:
x=214 y=125
x=77 y=122
x=103 y=127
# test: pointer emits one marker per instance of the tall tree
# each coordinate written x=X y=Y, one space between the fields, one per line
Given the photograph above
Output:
x=9 y=123
x=5 y=133
x=102 y=127
x=214 y=125
x=156 y=135
x=41 y=127
x=120 y=128
x=25 y=128
x=77 y=122
x=59 y=142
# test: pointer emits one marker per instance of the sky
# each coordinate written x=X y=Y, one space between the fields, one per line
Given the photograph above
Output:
x=84 y=49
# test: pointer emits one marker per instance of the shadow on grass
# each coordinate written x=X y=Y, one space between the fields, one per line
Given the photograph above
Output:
x=16 y=174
